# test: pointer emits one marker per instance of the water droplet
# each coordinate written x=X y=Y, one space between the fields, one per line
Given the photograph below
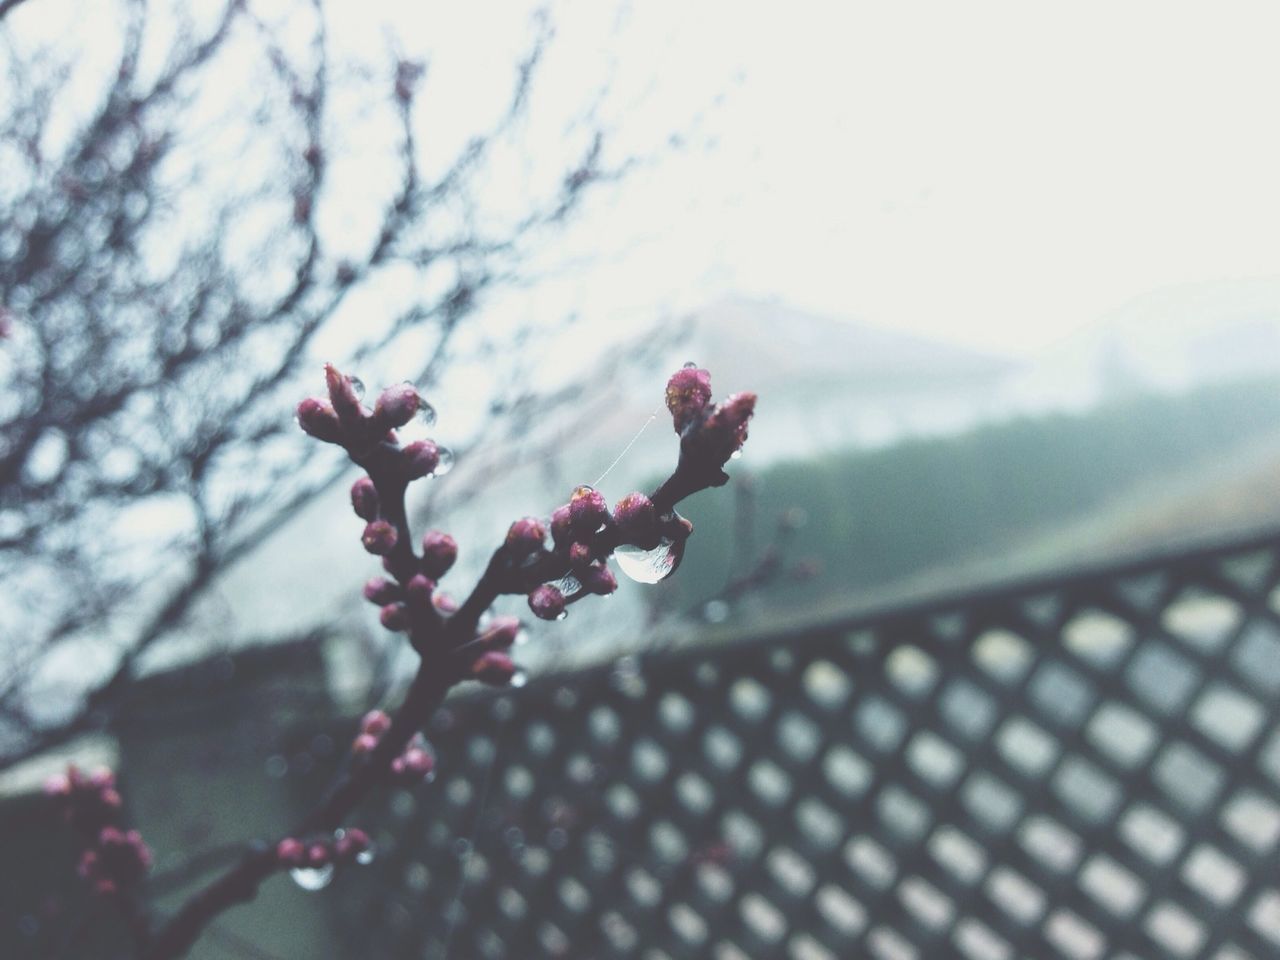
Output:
x=312 y=878
x=716 y=611
x=649 y=566
x=445 y=463
x=582 y=489
x=736 y=455
x=568 y=584
x=562 y=614
x=519 y=678
x=365 y=857
x=690 y=365
x=357 y=385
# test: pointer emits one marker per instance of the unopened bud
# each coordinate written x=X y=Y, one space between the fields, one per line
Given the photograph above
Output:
x=382 y=591
x=725 y=431
x=379 y=538
x=318 y=855
x=501 y=633
x=579 y=556
x=420 y=459
x=353 y=841
x=344 y=395
x=637 y=521
x=445 y=603
x=395 y=616
x=415 y=762
x=546 y=602
x=439 y=551
x=375 y=722
x=418 y=592
x=587 y=510
x=560 y=530
x=688 y=393
x=291 y=852
x=494 y=668
x=318 y=418
x=364 y=743
x=396 y=406
x=364 y=499
x=598 y=579
x=526 y=536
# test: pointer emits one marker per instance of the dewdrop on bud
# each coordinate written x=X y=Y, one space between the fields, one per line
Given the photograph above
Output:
x=364 y=499
x=317 y=418
x=547 y=603
x=439 y=551
x=379 y=538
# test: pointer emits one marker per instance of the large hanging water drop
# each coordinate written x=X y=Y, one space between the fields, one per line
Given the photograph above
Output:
x=650 y=566
x=445 y=463
x=312 y=878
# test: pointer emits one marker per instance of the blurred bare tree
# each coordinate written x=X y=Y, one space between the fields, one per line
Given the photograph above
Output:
x=176 y=244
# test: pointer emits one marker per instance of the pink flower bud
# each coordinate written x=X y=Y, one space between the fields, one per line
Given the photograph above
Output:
x=318 y=855
x=501 y=633
x=494 y=668
x=725 y=431
x=547 y=602
x=317 y=418
x=637 y=520
x=364 y=499
x=379 y=538
x=439 y=551
x=579 y=556
x=587 y=510
x=382 y=591
x=291 y=852
x=418 y=592
x=396 y=406
x=445 y=603
x=58 y=786
x=344 y=395
x=599 y=579
x=526 y=536
x=398 y=767
x=560 y=531
x=364 y=743
x=375 y=722
x=395 y=616
x=416 y=762
x=688 y=393
x=420 y=459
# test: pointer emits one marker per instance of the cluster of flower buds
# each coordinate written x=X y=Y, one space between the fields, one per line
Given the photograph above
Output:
x=709 y=432
x=413 y=764
x=343 y=419
x=112 y=859
x=494 y=665
x=347 y=845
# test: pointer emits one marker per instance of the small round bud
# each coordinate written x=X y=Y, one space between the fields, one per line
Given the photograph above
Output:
x=375 y=722
x=420 y=459
x=725 y=431
x=379 y=538
x=494 y=668
x=58 y=786
x=353 y=842
x=364 y=499
x=418 y=592
x=439 y=551
x=395 y=616
x=546 y=602
x=291 y=852
x=560 y=529
x=445 y=603
x=364 y=743
x=318 y=418
x=637 y=520
x=396 y=406
x=318 y=855
x=599 y=579
x=382 y=591
x=579 y=556
x=688 y=394
x=501 y=633
x=526 y=536
x=415 y=762
x=587 y=510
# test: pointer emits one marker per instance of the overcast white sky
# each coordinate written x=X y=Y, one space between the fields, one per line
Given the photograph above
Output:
x=997 y=173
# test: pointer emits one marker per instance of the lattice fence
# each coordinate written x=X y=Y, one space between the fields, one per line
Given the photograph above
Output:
x=1083 y=769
